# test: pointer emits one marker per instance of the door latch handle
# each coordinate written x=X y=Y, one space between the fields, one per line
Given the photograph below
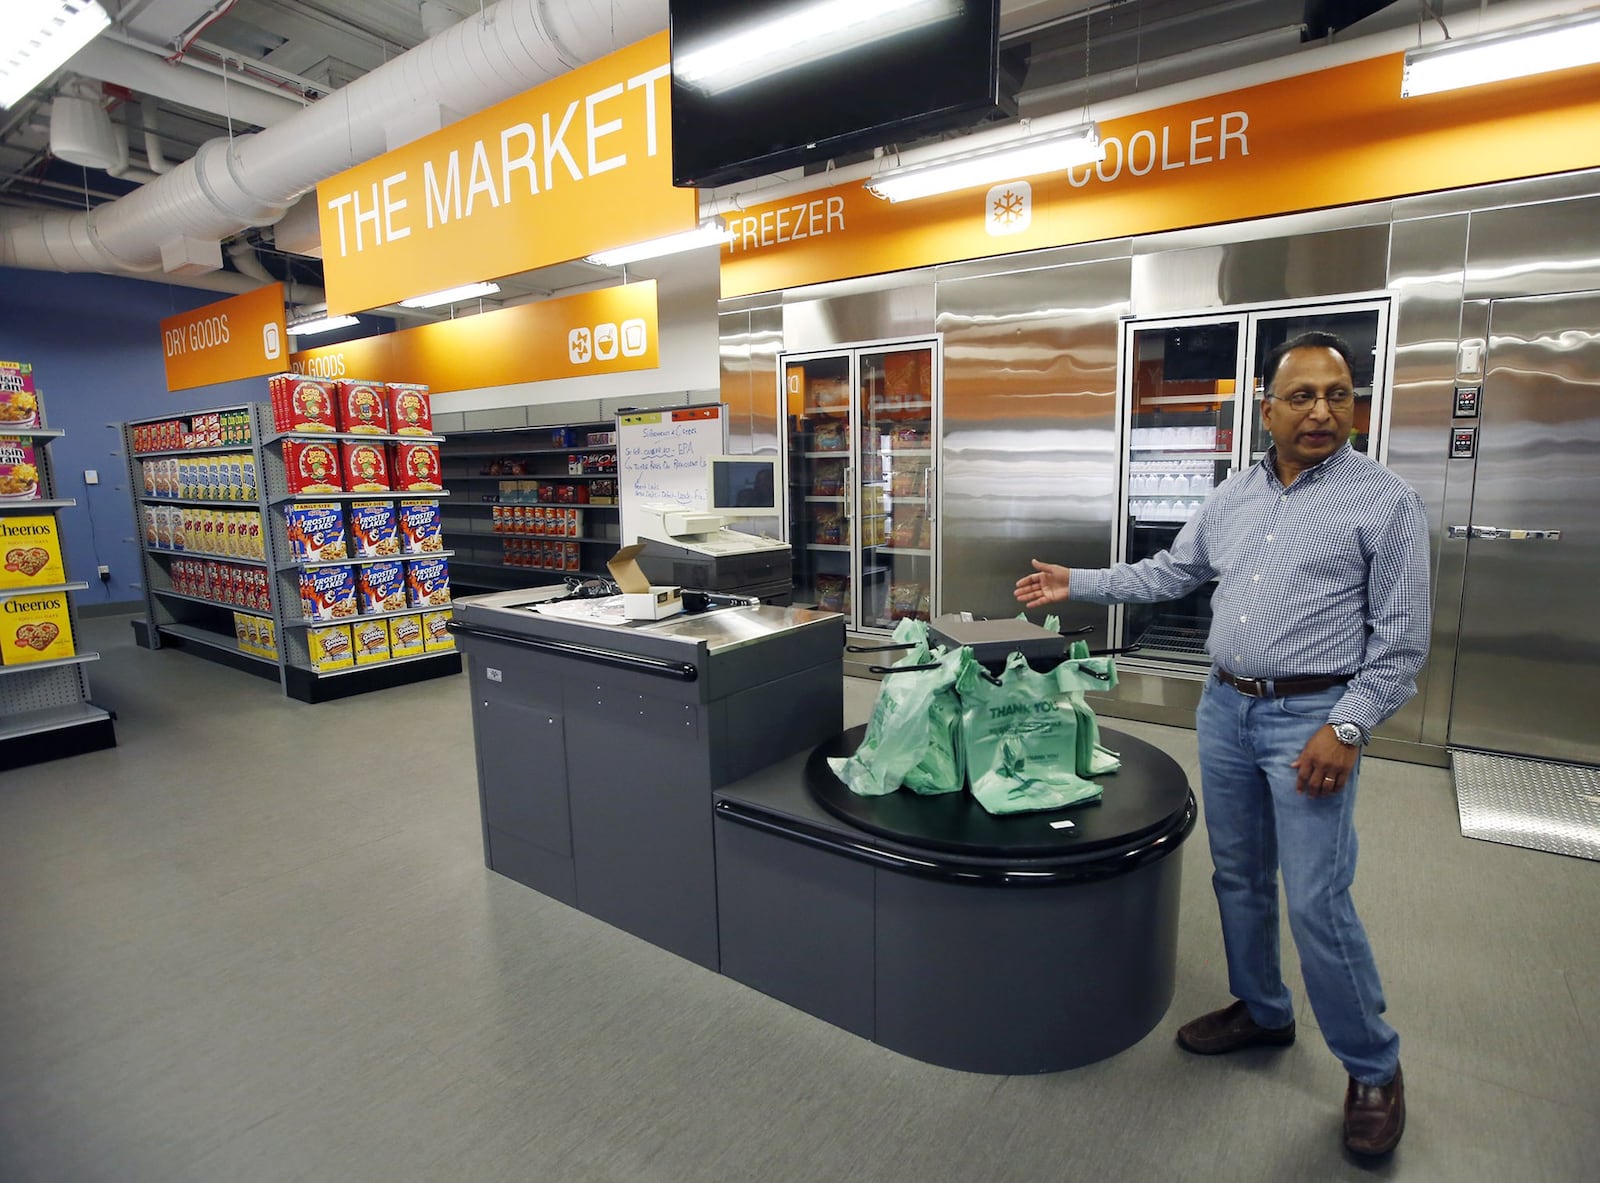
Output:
x=1511 y=535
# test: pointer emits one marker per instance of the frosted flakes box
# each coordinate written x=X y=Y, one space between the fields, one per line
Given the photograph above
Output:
x=303 y=404
x=35 y=627
x=365 y=466
x=374 y=530
x=428 y=582
x=410 y=411
x=416 y=468
x=382 y=587
x=328 y=593
x=371 y=641
x=420 y=530
x=19 y=470
x=316 y=530
x=311 y=466
x=405 y=636
x=330 y=648
x=436 y=633
x=19 y=402
x=363 y=407
x=30 y=551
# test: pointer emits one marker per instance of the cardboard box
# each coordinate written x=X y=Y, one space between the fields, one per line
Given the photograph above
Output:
x=365 y=466
x=30 y=551
x=410 y=412
x=420 y=529
x=371 y=639
x=315 y=530
x=303 y=404
x=405 y=637
x=363 y=407
x=19 y=470
x=328 y=593
x=428 y=582
x=311 y=466
x=374 y=531
x=436 y=635
x=330 y=648
x=416 y=468
x=35 y=627
x=382 y=587
x=642 y=600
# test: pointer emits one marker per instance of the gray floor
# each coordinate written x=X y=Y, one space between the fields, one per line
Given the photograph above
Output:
x=257 y=942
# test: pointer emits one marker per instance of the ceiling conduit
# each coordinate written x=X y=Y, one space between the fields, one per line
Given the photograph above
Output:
x=250 y=180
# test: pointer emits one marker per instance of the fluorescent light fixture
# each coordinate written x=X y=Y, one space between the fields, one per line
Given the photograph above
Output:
x=1029 y=156
x=712 y=232
x=38 y=36
x=322 y=324
x=805 y=34
x=467 y=291
x=1536 y=48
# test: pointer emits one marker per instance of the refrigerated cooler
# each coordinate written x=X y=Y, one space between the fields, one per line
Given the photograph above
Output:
x=1187 y=427
x=862 y=448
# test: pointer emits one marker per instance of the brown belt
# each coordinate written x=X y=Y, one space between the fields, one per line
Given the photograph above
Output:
x=1280 y=687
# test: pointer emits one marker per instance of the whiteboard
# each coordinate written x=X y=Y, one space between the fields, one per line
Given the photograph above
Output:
x=661 y=459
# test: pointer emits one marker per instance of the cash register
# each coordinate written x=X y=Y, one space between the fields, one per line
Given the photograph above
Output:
x=705 y=550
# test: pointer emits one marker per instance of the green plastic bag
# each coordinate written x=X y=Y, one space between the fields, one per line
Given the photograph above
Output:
x=898 y=734
x=1021 y=738
x=1079 y=673
x=943 y=767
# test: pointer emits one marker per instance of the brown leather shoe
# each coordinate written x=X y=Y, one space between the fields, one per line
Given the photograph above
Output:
x=1374 y=1115
x=1228 y=1030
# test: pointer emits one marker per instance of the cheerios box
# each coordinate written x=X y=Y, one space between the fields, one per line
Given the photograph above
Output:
x=328 y=593
x=371 y=641
x=363 y=407
x=436 y=635
x=374 y=530
x=405 y=636
x=30 y=552
x=34 y=627
x=428 y=582
x=330 y=648
x=420 y=530
x=316 y=530
x=382 y=586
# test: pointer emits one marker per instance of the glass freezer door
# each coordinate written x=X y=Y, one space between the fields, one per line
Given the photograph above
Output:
x=897 y=483
x=818 y=399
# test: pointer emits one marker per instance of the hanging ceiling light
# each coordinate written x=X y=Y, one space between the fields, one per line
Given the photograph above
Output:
x=38 y=36
x=321 y=324
x=1537 y=48
x=1029 y=156
x=467 y=291
x=711 y=232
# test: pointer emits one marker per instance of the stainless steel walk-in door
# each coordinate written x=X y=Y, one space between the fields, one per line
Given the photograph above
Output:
x=1528 y=660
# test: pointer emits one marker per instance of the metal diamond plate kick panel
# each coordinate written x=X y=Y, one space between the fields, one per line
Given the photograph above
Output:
x=1529 y=803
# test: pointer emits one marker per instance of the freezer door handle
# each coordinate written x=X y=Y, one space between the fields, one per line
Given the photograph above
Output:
x=1513 y=535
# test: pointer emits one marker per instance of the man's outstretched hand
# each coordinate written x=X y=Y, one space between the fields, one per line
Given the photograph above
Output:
x=1047 y=585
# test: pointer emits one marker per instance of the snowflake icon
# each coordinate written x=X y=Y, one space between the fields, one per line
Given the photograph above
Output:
x=1008 y=208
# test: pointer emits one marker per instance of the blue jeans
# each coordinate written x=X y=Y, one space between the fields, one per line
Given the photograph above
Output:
x=1256 y=822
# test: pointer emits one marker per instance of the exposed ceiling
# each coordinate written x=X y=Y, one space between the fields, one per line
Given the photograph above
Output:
x=190 y=71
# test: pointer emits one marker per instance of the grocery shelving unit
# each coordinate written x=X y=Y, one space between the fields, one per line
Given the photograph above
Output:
x=45 y=712
x=469 y=518
x=205 y=626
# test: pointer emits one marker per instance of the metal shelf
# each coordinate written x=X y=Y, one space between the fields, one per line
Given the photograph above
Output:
x=843 y=409
x=904 y=550
x=226 y=642
x=37 y=433
x=300 y=564
x=1171 y=400
x=377 y=665
x=476 y=453
x=35 y=505
x=381 y=495
x=223 y=503
x=828 y=546
x=371 y=437
x=1182 y=453
x=307 y=622
x=840 y=454
x=826 y=499
x=921 y=405
x=553 y=478
x=176 y=595
x=542 y=504
x=208 y=450
x=161 y=552
x=189 y=414
x=51 y=719
x=7 y=593
x=53 y=663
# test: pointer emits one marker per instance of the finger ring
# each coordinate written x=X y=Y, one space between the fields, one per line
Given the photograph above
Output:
x=1327 y=780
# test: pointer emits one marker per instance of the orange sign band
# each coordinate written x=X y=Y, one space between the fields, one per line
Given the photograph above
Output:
x=241 y=337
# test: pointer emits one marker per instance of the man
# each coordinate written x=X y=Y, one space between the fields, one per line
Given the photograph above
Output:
x=1320 y=624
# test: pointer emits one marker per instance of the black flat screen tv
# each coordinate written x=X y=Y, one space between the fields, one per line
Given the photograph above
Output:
x=764 y=85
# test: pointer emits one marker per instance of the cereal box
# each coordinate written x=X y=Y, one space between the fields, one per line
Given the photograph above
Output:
x=330 y=648
x=382 y=587
x=416 y=468
x=312 y=466
x=365 y=466
x=410 y=412
x=374 y=530
x=436 y=633
x=363 y=407
x=35 y=627
x=428 y=582
x=303 y=404
x=405 y=636
x=316 y=530
x=328 y=593
x=419 y=527
x=19 y=470
x=30 y=552
x=371 y=639
x=19 y=402
x=267 y=636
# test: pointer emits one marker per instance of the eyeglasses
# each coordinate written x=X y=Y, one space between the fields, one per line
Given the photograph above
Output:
x=1338 y=400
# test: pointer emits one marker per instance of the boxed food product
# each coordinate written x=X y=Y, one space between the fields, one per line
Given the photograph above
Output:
x=363 y=407
x=416 y=468
x=382 y=587
x=365 y=466
x=303 y=404
x=374 y=530
x=30 y=552
x=436 y=633
x=909 y=437
x=410 y=412
x=311 y=466
x=244 y=631
x=833 y=593
x=19 y=402
x=371 y=640
x=909 y=527
x=35 y=627
x=19 y=470
x=420 y=528
x=328 y=593
x=830 y=437
x=405 y=636
x=600 y=439
x=329 y=648
x=267 y=636
x=315 y=530
x=829 y=528
x=428 y=582
x=909 y=599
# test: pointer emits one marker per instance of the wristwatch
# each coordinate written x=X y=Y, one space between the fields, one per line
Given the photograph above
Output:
x=1349 y=734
